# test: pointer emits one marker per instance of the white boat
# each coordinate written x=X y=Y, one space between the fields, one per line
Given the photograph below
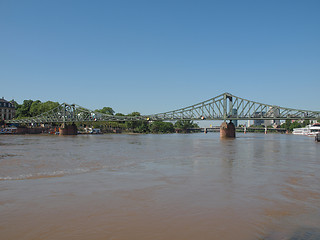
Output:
x=301 y=131
x=314 y=129
x=310 y=130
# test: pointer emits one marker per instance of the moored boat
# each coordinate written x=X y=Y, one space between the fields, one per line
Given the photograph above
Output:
x=314 y=129
x=301 y=131
x=310 y=130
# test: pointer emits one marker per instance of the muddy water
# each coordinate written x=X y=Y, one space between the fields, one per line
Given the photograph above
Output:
x=176 y=186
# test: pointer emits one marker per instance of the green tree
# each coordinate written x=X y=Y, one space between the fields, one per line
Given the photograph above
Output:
x=24 y=109
x=35 y=108
x=294 y=125
x=286 y=124
x=142 y=127
x=30 y=108
x=134 y=114
x=121 y=124
x=17 y=107
x=47 y=106
x=106 y=110
x=133 y=125
x=161 y=127
x=185 y=124
x=305 y=123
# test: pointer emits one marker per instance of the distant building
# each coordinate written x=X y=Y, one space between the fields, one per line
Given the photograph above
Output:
x=7 y=110
x=234 y=113
x=259 y=122
x=273 y=112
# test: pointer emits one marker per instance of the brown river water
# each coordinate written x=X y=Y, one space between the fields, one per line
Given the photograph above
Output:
x=171 y=186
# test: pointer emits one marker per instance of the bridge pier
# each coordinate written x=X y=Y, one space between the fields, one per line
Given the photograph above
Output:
x=66 y=129
x=227 y=130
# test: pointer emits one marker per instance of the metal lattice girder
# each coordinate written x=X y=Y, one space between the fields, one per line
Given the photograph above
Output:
x=223 y=107
x=210 y=109
x=229 y=107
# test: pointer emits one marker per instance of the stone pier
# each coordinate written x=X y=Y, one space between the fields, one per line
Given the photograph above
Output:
x=66 y=129
x=227 y=130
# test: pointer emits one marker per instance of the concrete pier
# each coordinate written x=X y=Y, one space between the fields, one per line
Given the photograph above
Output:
x=227 y=130
x=66 y=129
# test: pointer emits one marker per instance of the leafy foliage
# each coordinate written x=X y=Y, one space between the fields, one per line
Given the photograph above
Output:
x=30 y=108
x=161 y=127
x=134 y=114
x=288 y=125
x=106 y=110
x=136 y=126
x=185 y=124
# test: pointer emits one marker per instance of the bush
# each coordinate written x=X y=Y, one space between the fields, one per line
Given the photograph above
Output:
x=161 y=127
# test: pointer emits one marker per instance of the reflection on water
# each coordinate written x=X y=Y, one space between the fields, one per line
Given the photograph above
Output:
x=175 y=186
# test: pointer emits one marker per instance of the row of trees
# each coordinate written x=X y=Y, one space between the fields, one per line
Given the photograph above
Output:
x=289 y=125
x=146 y=126
x=30 y=108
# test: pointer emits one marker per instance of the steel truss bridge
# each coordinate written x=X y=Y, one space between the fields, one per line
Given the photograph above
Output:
x=223 y=107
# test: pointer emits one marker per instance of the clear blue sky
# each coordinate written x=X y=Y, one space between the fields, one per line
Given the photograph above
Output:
x=156 y=56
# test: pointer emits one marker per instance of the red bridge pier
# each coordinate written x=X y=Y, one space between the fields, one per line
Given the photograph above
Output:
x=227 y=130
x=66 y=129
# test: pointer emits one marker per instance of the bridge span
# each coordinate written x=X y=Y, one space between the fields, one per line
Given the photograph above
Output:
x=222 y=107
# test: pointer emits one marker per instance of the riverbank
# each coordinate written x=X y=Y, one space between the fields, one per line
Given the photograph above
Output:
x=124 y=131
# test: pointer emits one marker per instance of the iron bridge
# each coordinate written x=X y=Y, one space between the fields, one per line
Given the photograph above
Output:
x=223 y=107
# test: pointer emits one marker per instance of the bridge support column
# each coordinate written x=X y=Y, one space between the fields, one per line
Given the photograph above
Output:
x=66 y=129
x=227 y=130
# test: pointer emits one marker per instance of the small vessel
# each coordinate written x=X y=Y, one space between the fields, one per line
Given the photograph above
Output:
x=310 y=130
